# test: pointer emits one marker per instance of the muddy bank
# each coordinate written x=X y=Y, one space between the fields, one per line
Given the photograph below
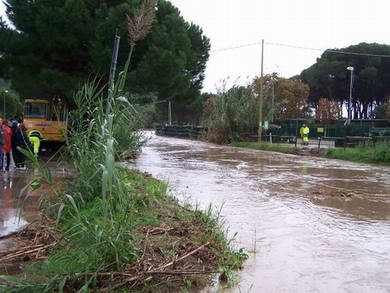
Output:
x=314 y=224
x=30 y=244
x=162 y=245
x=24 y=231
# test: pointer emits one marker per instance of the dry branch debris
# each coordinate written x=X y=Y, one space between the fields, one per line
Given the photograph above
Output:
x=32 y=244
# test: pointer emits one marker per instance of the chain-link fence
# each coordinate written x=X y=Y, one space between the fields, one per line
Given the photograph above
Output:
x=336 y=134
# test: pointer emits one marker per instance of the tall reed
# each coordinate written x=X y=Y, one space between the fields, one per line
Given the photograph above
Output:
x=228 y=113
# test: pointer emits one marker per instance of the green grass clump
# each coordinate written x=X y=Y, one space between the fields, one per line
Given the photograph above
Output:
x=94 y=244
x=380 y=153
x=264 y=146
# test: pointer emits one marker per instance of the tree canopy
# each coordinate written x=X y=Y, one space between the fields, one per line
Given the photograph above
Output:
x=57 y=45
x=232 y=112
x=328 y=110
x=329 y=78
x=284 y=98
x=10 y=105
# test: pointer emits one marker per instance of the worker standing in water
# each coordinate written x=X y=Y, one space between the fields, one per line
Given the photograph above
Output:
x=35 y=140
x=19 y=142
x=304 y=131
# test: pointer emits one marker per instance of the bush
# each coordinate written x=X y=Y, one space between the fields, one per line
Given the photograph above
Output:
x=11 y=101
x=228 y=113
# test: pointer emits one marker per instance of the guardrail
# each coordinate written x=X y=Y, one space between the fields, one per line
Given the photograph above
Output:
x=185 y=131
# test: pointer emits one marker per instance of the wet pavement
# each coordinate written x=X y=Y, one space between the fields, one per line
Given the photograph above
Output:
x=18 y=206
x=11 y=199
x=310 y=224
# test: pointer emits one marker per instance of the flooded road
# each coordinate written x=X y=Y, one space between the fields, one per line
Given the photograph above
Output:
x=18 y=205
x=310 y=224
x=11 y=187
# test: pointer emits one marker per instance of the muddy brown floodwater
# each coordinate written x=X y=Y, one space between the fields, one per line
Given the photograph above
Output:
x=310 y=224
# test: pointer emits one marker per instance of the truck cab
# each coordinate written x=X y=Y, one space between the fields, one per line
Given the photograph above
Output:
x=47 y=117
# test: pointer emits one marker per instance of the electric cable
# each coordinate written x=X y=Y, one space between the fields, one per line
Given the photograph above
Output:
x=335 y=51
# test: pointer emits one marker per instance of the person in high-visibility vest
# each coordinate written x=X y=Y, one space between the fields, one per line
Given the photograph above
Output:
x=35 y=140
x=304 y=131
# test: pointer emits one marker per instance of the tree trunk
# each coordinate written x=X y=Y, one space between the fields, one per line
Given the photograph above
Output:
x=361 y=112
x=355 y=110
x=371 y=110
x=365 y=110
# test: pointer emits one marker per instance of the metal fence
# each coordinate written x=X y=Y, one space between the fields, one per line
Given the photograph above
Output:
x=336 y=129
x=335 y=134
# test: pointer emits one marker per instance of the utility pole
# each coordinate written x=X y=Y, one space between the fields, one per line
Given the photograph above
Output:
x=260 y=130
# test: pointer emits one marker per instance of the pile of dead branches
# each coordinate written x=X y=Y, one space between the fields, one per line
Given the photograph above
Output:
x=31 y=244
x=189 y=260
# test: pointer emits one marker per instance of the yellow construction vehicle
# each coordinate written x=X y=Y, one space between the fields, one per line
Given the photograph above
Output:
x=47 y=117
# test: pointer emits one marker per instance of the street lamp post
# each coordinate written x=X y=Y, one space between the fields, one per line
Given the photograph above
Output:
x=350 y=68
x=5 y=93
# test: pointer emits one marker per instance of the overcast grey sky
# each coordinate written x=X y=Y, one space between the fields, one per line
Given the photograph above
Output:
x=305 y=23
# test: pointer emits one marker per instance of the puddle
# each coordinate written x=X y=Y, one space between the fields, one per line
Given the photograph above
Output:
x=11 y=199
x=18 y=207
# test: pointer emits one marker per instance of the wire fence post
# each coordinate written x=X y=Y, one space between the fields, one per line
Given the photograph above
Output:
x=170 y=113
x=319 y=144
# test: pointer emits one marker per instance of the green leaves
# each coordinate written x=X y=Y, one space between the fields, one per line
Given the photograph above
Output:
x=329 y=78
x=11 y=102
x=60 y=44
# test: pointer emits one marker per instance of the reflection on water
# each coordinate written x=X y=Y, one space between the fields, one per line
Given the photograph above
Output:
x=18 y=206
x=318 y=225
x=11 y=198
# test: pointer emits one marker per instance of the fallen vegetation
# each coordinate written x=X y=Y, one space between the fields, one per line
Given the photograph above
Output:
x=30 y=244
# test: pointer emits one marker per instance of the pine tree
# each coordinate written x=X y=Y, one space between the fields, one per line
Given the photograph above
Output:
x=57 y=45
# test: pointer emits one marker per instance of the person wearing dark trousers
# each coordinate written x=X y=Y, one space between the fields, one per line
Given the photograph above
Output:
x=7 y=137
x=1 y=149
x=19 y=141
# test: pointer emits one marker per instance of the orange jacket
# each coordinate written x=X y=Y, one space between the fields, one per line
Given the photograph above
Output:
x=7 y=139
